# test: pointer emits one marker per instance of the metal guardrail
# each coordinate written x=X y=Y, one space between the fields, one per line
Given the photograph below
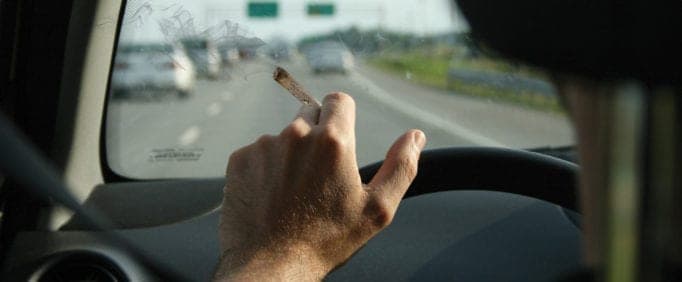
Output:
x=501 y=80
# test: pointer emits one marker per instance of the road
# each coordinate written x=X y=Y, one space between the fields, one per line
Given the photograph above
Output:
x=193 y=137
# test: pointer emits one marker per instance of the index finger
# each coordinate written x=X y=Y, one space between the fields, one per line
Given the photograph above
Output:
x=338 y=111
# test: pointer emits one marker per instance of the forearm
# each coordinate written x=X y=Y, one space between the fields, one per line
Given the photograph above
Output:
x=270 y=266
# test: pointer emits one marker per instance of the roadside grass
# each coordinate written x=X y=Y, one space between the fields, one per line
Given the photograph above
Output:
x=425 y=69
x=431 y=69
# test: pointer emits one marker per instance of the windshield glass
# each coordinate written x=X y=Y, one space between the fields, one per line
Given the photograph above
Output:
x=192 y=80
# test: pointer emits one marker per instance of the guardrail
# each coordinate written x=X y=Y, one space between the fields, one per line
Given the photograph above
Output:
x=501 y=80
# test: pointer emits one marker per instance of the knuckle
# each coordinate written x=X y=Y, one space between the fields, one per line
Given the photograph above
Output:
x=332 y=139
x=295 y=130
x=236 y=158
x=264 y=140
x=379 y=214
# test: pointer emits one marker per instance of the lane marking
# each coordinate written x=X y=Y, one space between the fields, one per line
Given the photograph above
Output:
x=227 y=96
x=423 y=116
x=190 y=135
x=214 y=109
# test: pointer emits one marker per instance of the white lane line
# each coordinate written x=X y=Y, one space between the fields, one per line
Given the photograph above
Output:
x=190 y=135
x=421 y=115
x=214 y=109
x=227 y=96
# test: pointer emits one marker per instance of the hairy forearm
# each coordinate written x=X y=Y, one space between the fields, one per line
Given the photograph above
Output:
x=278 y=265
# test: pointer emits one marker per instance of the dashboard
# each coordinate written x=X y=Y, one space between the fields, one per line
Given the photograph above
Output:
x=449 y=233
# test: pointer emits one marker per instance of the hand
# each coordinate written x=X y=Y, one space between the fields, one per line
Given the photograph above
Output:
x=294 y=205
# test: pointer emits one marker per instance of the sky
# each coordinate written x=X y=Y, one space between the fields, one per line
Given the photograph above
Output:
x=156 y=20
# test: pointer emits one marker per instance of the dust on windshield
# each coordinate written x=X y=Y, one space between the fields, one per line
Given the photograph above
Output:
x=192 y=80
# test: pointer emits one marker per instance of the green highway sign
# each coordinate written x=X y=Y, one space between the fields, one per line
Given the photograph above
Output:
x=263 y=9
x=320 y=9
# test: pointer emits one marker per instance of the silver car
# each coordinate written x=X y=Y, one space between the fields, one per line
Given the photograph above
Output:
x=205 y=56
x=329 y=56
x=152 y=67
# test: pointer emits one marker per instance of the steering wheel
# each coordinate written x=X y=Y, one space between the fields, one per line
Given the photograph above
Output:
x=477 y=214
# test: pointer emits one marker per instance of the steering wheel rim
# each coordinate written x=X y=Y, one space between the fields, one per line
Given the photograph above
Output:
x=492 y=169
x=477 y=214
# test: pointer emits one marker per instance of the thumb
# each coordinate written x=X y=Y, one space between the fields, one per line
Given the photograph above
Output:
x=399 y=167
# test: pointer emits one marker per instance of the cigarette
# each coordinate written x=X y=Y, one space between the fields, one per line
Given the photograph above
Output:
x=283 y=78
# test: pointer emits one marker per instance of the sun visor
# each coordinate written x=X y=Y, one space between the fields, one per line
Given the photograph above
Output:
x=598 y=38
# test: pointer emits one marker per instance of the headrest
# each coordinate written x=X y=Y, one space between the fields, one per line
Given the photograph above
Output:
x=603 y=39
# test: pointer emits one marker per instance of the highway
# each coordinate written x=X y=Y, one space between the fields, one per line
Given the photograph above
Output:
x=174 y=138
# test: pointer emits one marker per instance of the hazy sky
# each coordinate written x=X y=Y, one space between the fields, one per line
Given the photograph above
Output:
x=158 y=19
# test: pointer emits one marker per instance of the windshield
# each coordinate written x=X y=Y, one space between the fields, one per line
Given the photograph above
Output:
x=407 y=63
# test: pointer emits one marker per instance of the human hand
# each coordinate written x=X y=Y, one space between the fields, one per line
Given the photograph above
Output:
x=294 y=207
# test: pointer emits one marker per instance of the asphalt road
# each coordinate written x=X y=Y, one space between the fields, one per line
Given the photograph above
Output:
x=168 y=137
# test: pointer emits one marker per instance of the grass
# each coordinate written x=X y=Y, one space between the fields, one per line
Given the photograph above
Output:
x=425 y=70
x=431 y=68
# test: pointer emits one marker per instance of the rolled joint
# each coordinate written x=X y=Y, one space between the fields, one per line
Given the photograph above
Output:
x=296 y=89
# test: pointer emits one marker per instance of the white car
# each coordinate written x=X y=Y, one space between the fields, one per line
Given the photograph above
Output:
x=152 y=67
x=330 y=56
x=205 y=56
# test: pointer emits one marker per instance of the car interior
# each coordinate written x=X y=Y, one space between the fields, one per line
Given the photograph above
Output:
x=473 y=213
